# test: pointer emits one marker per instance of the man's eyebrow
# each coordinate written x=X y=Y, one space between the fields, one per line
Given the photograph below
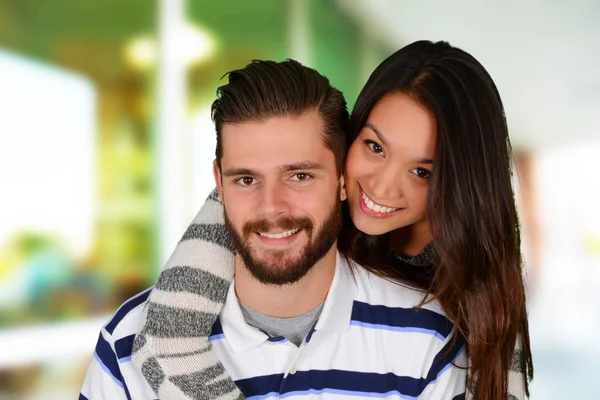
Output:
x=377 y=132
x=301 y=166
x=238 y=172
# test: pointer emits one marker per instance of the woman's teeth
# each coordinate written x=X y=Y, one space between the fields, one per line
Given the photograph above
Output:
x=279 y=235
x=376 y=207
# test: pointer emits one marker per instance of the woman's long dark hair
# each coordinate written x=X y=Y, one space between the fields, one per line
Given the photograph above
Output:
x=477 y=277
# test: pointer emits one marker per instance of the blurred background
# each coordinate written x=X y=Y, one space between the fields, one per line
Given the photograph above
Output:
x=106 y=146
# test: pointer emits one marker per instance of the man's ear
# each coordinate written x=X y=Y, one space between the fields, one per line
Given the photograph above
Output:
x=218 y=179
x=343 y=195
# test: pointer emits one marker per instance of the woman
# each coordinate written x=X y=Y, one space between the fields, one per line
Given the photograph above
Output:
x=430 y=203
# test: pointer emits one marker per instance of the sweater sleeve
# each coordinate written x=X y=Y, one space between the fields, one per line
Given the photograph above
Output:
x=172 y=349
x=516 y=375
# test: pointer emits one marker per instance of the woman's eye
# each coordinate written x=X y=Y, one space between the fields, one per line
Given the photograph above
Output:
x=421 y=173
x=374 y=147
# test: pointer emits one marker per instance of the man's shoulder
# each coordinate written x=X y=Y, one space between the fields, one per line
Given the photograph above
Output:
x=127 y=320
x=111 y=373
x=376 y=290
x=382 y=304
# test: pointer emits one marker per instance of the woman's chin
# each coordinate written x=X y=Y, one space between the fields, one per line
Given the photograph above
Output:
x=371 y=227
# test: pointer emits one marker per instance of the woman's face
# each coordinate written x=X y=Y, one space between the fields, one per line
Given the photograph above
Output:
x=388 y=166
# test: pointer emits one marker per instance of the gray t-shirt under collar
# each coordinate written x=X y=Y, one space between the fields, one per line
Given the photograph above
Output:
x=293 y=329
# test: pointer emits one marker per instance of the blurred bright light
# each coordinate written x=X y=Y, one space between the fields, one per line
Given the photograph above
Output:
x=203 y=141
x=47 y=152
x=140 y=53
x=25 y=346
x=193 y=45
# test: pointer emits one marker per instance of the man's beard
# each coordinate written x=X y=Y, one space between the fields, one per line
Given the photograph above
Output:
x=278 y=267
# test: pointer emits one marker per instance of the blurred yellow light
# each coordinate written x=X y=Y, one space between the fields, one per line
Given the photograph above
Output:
x=592 y=245
x=192 y=46
x=140 y=53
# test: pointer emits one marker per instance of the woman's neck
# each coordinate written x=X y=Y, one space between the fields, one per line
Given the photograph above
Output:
x=410 y=240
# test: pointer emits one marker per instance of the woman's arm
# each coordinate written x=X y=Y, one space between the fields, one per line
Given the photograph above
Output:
x=516 y=376
x=172 y=350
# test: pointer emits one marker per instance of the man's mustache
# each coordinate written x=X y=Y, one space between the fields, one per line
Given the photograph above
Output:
x=286 y=224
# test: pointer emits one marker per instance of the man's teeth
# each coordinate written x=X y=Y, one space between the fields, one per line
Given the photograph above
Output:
x=376 y=207
x=279 y=235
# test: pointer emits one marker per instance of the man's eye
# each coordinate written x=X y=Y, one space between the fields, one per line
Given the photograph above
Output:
x=246 y=181
x=301 y=176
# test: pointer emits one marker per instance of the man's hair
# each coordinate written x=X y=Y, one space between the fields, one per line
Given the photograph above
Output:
x=267 y=89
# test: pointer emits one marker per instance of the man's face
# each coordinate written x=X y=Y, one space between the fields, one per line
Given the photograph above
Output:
x=281 y=192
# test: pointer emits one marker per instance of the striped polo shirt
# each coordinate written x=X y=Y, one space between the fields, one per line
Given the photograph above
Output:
x=370 y=341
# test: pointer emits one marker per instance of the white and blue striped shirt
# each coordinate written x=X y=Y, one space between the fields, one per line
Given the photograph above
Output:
x=370 y=342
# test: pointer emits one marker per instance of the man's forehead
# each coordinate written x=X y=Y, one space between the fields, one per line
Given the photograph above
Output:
x=310 y=120
x=285 y=140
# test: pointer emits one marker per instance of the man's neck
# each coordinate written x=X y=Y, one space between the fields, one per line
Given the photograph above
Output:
x=286 y=301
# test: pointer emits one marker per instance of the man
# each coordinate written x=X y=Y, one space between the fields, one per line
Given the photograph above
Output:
x=298 y=320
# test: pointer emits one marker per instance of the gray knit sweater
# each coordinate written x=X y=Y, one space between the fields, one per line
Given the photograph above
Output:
x=172 y=348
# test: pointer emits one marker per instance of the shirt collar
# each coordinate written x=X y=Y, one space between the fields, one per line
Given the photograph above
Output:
x=239 y=335
x=337 y=309
x=335 y=316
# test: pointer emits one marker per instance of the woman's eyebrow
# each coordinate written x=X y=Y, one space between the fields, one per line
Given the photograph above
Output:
x=422 y=161
x=377 y=132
